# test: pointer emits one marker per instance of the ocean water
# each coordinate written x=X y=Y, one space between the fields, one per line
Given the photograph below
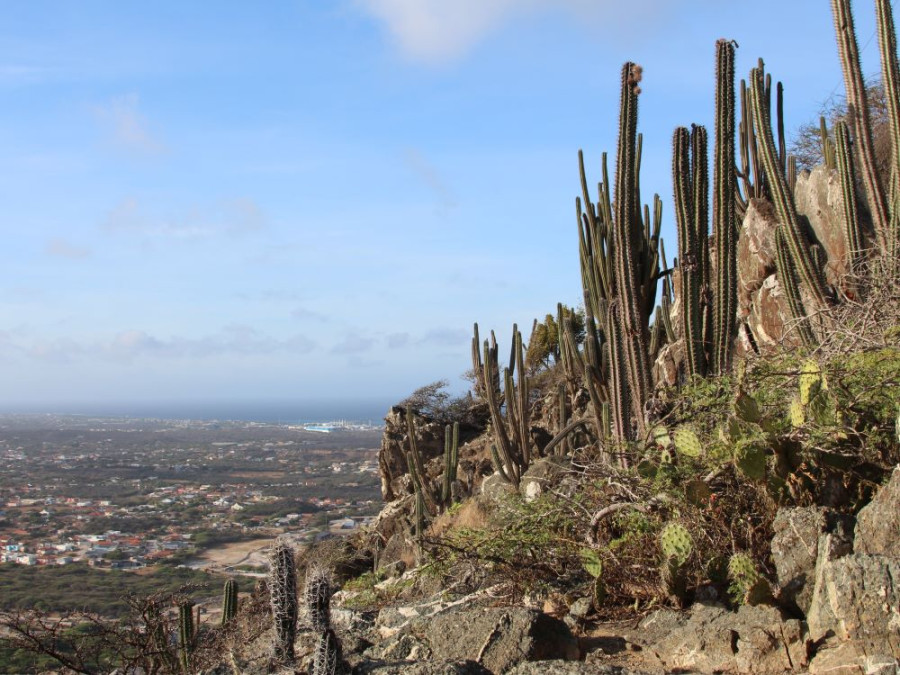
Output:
x=370 y=411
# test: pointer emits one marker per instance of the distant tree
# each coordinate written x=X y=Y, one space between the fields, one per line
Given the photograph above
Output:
x=544 y=341
x=807 y=145
x=435 y=402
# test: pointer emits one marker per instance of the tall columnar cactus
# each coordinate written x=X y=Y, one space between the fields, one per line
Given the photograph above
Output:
x=890 y=78
x=847 y=173
x=627 y=248
x=186 y=630
x=795 y=237
x=858 y=113
x=229 y=602
x=283 y=595
x=451 y=463
x=619 y=252
x=724 y=214
x=690 y=210
x=327 y=654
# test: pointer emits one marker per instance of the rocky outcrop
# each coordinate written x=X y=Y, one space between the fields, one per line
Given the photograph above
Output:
x=496 y=638
x=795 y=550
x=711 y=639
x=755 y=251
x=878 y=524
x=820 y=202
x=394 y=444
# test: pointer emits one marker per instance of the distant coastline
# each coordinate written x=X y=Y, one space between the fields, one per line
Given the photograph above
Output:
x=272 y=412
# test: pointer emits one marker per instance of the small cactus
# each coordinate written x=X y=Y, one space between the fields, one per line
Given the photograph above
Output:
x=594 y=566
x=283 y=593
x=687 y=442
x=230 y=601
x=186 y=633
x=327 y=655
x=797 y=413
x=811 y=381
x=676 y=543
x=747 y=584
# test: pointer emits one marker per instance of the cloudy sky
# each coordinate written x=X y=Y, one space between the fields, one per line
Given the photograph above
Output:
x=294 y=199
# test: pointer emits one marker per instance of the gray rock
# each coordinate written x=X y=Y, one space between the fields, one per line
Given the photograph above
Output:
x=407 y=668
x=878 y=524
x=795 y=550
x=755 y=250
x=494 y=487
x=818 y=197
x=569 y=668
x=711 y=639
x=541 y=474
x=580 y=608
x=498 y=638
x=857 y=597
x=848 y=658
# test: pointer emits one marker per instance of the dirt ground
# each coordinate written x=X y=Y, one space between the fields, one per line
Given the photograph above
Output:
x=221 y=558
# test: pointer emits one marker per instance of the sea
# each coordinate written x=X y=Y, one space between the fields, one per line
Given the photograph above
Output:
x=362 y=411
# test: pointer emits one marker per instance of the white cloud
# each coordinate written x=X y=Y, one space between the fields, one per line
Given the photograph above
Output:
x=437 y=31
x=230 y=217
x=127 y=127
x=129 y=345
x=60 y=248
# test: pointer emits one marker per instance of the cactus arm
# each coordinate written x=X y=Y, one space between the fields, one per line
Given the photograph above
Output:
x=783 y=202
x=858 y=113
x=847 y=173
x=786 y=275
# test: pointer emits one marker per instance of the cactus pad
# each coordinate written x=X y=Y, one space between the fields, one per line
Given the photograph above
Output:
x=687 y=443
x=797 y=413
x=810 y=381
x=750 y=459
x=676 y=543
x=697 y=492
x=746 y=408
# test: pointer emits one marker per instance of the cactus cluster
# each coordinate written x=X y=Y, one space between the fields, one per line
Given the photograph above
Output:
x=283 y=596
x=327 y=651
x=511 y=452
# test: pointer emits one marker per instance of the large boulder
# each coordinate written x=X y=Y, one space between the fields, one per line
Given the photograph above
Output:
x=712 y=639
x=878 y=524
x=857 y=600
x=497 y=638
x=819 y=200
x=795 y=550
x=755 y=251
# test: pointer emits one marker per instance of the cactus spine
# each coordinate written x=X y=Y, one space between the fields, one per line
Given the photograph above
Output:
x=724 y=214
x=858 y=112
x=283 y=594
x=230 y=601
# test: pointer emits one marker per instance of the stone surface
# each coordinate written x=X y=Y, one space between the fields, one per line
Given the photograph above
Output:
x=857 y=597
x=710 y=639
x=541 y=474
x=795 y=550
x=497 y=638
x=394 y=444
x=878 y=524
x=819 y=201
x=569 y=668
x=755 y=251
x=494 y=487
x=849 y=658
x=425 y=668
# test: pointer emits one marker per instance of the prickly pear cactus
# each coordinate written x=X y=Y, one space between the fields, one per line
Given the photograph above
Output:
x=797 y=413
x=661 y=436
x=747 y=584
x=697 y=492
x=594 y=566
x=687 y=442
x=746 y=408
x=676 y=543
x=811 y=380
x=750 y=459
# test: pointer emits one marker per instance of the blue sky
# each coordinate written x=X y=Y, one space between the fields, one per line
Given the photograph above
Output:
x=295 y=199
